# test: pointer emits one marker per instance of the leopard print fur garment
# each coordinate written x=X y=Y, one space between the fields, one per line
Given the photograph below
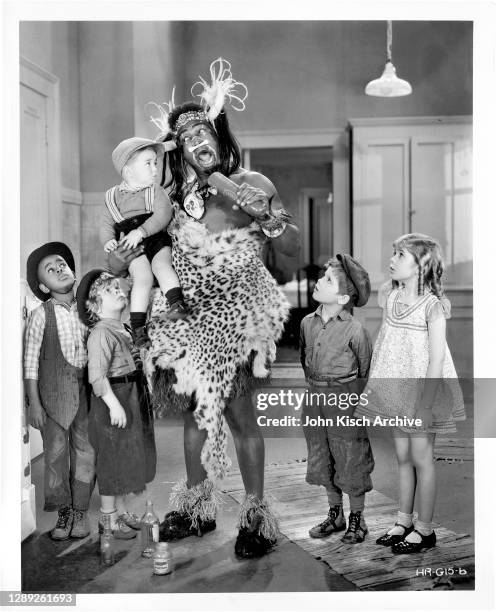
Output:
x=236 y=308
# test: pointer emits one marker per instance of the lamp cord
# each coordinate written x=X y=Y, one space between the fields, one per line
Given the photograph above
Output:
x=389 y=40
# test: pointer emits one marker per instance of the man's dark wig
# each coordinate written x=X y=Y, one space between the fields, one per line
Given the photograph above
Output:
x=229 y=150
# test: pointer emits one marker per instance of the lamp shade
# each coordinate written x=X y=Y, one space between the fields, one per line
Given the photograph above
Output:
x=389 y=85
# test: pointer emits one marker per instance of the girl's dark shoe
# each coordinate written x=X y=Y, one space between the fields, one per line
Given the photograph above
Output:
x=333 y=523
x=250 y=544
x=357 y=530
x=405 y=548
x=177 y=525
x=388 y=539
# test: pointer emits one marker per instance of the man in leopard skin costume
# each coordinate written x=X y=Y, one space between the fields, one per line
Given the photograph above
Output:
x=208 y=361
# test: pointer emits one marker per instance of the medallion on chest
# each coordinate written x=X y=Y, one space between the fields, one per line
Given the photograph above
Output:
x=194 y=202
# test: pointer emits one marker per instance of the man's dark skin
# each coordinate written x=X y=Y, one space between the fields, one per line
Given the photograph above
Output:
x=256 y=199
x=256 y=194
x=120 y=258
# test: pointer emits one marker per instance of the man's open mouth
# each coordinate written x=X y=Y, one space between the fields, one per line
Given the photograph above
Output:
x=205 y=156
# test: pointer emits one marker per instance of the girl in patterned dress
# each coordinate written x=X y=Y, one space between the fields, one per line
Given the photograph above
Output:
x=412 y=375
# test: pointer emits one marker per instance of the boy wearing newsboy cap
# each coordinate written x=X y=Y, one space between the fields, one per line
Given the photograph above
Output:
x=335 y=354
x=56 y=382
x=137 y=211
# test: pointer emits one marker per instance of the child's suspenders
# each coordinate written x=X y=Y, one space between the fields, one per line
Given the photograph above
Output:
x=116 y=213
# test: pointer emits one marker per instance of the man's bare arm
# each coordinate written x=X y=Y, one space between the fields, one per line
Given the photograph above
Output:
x=288 y=243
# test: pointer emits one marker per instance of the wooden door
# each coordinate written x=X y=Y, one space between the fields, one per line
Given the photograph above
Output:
x=442 y=196
x=316 y=217
x=32 y=444
x=35 y=209
x=413 y=177
x=380 y=197
x=37 y=224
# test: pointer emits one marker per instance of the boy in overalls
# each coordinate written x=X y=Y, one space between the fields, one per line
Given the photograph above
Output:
x=56 y=380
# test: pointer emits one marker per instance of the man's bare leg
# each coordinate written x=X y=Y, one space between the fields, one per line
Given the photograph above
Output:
x=194 y=440
x=249 y=443
x=194 y=497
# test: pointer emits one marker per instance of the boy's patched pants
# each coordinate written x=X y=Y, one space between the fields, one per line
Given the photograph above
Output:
x=340 y=459
x=69 y=460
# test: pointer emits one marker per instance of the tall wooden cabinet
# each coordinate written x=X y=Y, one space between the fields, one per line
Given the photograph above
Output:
x=415 y=175
x=412 y=175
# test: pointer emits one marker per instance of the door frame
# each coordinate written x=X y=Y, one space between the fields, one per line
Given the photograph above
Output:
x=305 y=195
x=338 y=140
x=48 y=85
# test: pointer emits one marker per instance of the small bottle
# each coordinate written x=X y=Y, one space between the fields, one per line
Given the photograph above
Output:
x=149 y=530
x=107 y=542
x=162 y=559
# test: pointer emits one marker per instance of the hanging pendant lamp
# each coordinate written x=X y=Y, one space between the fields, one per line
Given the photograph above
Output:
x=389 y=85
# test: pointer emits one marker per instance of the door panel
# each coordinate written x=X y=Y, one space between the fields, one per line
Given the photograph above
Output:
x=35 y=212
x=442 y=199
x=380 y=200
x=316 y=225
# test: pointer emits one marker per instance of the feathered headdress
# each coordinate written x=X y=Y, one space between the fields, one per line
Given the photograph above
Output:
x=213 y=98
x=223 y=86
x=164 y=109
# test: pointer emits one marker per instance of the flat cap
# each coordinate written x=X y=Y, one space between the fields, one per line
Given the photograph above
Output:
x=126 y=148
x=357 y=275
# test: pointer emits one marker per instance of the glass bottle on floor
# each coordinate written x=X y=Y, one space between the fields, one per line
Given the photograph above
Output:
x=149 y=530
x=107 y=542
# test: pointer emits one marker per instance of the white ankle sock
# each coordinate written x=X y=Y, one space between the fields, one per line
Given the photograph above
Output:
x=423 y=528
x=403 y=519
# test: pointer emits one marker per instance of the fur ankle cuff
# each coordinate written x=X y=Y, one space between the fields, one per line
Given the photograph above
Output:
x=256 y=515
x=200 y=502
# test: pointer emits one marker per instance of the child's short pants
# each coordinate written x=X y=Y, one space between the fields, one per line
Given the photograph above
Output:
x=152 y=244
x=338 y=456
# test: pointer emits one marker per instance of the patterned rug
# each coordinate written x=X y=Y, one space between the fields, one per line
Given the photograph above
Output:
x=299 y=505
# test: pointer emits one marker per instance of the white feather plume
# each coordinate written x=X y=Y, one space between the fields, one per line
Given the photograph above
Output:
x=222 y=86
x=164 y=110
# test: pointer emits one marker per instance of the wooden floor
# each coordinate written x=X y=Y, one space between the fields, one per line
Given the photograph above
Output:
x=299 y=506
x=454 y=449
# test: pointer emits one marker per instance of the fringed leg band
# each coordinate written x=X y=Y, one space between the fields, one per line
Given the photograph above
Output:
x=199 y=503
x=256 y=516
x=258 y=528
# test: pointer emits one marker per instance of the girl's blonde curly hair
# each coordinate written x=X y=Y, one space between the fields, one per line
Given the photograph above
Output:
x=94 y=300
x=427 y=254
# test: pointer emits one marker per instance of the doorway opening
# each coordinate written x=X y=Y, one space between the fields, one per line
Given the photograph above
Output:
x=303 y=179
